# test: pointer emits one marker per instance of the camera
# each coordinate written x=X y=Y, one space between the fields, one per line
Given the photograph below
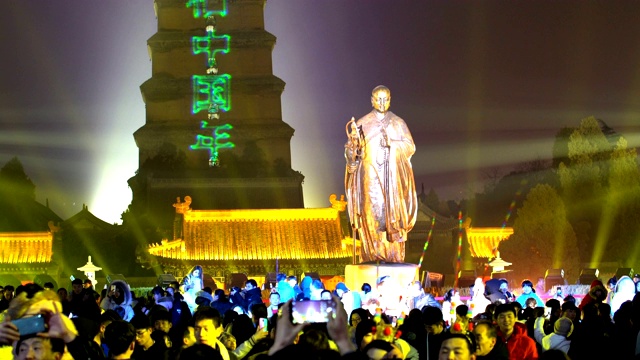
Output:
x=30 y=325
x=312 y=311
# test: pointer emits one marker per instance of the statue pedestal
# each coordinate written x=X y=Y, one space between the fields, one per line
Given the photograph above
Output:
x=401 y=273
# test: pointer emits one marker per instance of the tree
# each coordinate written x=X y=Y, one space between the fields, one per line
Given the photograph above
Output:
x=543 y=238
x=561 y=146
x=584 y=179
x=14 y=182
x=622 y=204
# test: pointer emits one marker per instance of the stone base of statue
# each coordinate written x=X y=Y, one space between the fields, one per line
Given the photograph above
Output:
x=401 y=273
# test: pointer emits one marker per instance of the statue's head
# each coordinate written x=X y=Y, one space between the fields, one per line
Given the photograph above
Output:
x=381 y=98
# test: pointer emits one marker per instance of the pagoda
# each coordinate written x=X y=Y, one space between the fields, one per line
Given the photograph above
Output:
x=213 y=126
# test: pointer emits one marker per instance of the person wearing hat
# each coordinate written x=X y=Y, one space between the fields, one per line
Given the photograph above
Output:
x=514 y=334
x=350 y=299
x=87 y=284
x=562 y=329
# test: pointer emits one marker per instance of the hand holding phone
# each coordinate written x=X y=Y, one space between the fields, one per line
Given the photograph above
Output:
x=30 y=325
x=263 y=324
x=312 y=311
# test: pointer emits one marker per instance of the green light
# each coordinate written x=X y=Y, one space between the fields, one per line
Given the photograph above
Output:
x=215 y=142
x=211 y=90
x=211 y=45
x=201 y=8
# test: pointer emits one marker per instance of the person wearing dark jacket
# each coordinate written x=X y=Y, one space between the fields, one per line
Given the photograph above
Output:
x=493 y=293
x=249 y=296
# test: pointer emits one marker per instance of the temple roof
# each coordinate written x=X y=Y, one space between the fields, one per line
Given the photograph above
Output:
x=26 y=247
x=483 y=242
x=263 y=234
x=84 y=219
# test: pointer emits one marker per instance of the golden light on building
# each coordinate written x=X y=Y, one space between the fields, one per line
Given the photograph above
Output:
x=258 y=234
x=26 y=247
x=483 y=242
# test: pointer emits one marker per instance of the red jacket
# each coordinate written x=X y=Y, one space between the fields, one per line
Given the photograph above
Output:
x=519 y=344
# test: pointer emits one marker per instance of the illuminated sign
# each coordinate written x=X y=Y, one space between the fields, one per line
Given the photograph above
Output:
x=211 y=92
x=214 y=142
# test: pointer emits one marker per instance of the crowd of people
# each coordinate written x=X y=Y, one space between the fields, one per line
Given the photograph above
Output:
x=372 y=322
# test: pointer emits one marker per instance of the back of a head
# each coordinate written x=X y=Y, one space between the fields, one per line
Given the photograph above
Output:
x=554 y=304
x=118 y=336
x=432 y=315
x=363 y=328
x=314 y=339
x=258 y=310
x=462 y=310
x=140 y=321
x=317 y=283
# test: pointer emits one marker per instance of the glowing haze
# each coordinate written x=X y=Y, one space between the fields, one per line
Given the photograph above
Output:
x=480 y=85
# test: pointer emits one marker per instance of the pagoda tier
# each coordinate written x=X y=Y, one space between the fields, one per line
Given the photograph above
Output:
x=213 y=125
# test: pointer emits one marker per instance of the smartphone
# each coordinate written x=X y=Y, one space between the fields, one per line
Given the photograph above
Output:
x=263 y=323
x=113 y=288
x=72 y=277
x=30 y=325
x=547 y=312
x=312 y=311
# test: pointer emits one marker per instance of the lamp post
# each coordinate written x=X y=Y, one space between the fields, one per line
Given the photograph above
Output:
x=89 y=271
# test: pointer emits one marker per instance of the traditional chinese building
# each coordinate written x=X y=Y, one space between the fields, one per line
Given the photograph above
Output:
x=213 y=125
x=257 y=241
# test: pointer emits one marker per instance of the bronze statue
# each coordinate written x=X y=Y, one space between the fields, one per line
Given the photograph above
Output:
x=379 y=183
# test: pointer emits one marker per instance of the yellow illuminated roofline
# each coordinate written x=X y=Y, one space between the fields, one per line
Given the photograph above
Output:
x=260 y=214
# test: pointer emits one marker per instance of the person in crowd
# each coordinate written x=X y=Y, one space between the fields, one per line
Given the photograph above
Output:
x=207 y=329
x=412 y=330
x=504 y=288
x=146 y=347
x=220 y=301
x=120 y=337
x=418 y=298
x=488 y=345
x=7 y=295
x=293 y=282
x=449 y=304
x=611 y=286
x=316 y=288
x=625 y=291
x=274 y=302
x=119 y=299
x=457 y=346
x=597 y=294
x=350 y=299
x=60 y=337
x=562 y=329
x=284 y=347
x=528 y=293
x=520 y=345
x=493 y=292
x=558 y=295
x=284 y=288
x=461 y=320
x=478 y=302
x=191 y=284
x=433 y=320
x=305 y=286
x=325 y=295
x=247 y=297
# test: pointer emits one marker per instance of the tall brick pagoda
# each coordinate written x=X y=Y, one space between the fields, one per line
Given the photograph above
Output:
x=213 y=126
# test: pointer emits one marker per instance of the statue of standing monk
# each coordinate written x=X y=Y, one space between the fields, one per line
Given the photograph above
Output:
x=379 y=183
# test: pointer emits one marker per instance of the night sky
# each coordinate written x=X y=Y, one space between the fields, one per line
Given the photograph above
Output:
x=481 y=85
